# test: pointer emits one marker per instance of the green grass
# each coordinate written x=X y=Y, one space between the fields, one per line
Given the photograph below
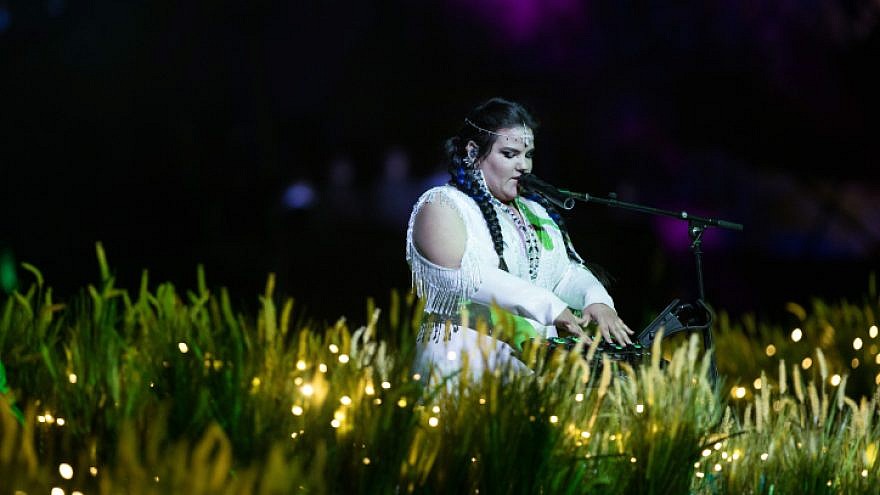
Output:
x=155 y=390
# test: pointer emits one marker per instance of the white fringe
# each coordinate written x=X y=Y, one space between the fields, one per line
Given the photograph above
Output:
x=443 y=289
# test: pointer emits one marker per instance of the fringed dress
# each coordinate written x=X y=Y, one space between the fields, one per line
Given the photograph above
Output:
x=540 y=283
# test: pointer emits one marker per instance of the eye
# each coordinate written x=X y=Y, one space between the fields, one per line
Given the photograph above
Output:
x=530 y=154
x=509 y=154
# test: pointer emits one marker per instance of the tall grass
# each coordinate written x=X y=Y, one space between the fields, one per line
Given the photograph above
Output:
x=157 y=391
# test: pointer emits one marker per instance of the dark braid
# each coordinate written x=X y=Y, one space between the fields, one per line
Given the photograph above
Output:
x=465 y=181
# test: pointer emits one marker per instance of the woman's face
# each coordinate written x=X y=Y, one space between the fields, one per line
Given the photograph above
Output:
x=509 y=158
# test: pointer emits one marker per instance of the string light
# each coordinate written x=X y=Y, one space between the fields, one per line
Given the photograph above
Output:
x=757 y=384
x=334 y=348
x=854 y=363
x=417 y=377
x=579 y=397
x=369 y=390
x=770 y=350
x=835 y=380
x=183 y=347
x=401 y=403
x=738 y=392
x=65 y=470
x=806 y=363
x=764 y=456
x=640 y=408
x=585 y=434
x=706 y=453
x=335 y=423
x=307 y=390
x=482 y=401
x=71 y=377
x=717 y=467
x=864 y=473
x=433 y=421
x=857 y=343
x=93 y=471
x=436 y=409
x=386 y=385
x=343 y=358
x=699 y=474
x=322 y=368
x=554 y=419
x=296 y=410
x=298 y=381
x=377 y=401
x=345 y=400
x=632 y=460
x=60 y=421
x=366 y=461
x=57 y=491
x=872 y=332
x=301 y=365
x=796 y=334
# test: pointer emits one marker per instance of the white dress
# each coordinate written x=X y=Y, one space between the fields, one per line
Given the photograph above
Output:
x=443 y=348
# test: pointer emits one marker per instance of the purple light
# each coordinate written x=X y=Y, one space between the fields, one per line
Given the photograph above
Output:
x=522 y=20
x=673 y=235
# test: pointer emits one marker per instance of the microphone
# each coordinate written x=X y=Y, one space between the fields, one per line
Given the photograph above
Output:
x=531 y=182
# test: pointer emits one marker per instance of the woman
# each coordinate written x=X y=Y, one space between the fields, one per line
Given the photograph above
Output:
x=480 y=240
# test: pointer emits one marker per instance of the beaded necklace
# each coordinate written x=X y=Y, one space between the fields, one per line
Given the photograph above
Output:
x=527 y=234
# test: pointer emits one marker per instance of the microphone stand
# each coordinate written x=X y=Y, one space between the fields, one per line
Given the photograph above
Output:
x=696 y=227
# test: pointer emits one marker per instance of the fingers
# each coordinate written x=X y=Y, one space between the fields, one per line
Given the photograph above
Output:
x=616 y=331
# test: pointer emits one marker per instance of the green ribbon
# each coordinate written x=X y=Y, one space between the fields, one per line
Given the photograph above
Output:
x=539 y=224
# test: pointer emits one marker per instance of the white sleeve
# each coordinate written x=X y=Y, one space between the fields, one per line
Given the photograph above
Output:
x=517 y=296
x=579 y=288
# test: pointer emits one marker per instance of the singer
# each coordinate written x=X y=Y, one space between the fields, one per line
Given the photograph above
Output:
x=483 y=240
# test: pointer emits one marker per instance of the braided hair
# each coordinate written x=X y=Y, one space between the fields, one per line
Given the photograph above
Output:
x=494 y=114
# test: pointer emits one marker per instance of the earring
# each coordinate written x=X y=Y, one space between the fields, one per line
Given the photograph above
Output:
x=471 y=158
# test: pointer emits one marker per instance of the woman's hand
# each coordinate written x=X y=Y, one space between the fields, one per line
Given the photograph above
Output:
x=611 y=326
x=568 y=323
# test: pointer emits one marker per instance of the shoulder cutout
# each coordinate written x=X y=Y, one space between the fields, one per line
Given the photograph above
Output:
x=439 y=234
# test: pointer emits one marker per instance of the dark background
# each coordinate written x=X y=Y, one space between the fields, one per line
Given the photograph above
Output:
x=294 y=137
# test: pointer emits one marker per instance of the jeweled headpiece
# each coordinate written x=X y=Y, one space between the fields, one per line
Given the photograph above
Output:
x=527 y=137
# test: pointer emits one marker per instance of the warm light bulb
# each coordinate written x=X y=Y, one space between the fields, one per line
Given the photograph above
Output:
x=183 y=347
x=835 y=380
x=872 y=332
x=554 y=419
x=640 y=408
x=345 y=400
x=386 y=385
x=806 y=363
x=757 y=384
x=770 y=350
x=301 y=365
x=343 y=358
x=433 y=421
x=72 y=378
x=796 y=334
x=369 y=390
x=764 y=456
x=322 y=368
x=65 y=470
x=307 y=390
x=579 y=397
x=857 y=343
x=334 y=348
x=296 y=410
